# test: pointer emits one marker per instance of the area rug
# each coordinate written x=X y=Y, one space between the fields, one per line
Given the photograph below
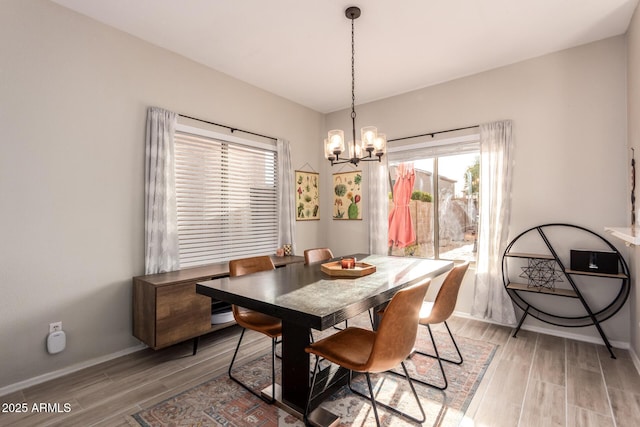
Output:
x=221 y=402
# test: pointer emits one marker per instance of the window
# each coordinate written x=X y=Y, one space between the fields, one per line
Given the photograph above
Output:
x=226 y=196
x=444 y=199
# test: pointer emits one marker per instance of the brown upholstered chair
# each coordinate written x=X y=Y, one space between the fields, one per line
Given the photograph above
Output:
x=256 y=321
x=439 y=311
x=366 y=351
x=312 y=256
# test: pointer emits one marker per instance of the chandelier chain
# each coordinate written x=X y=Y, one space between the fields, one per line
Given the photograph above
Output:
x=353 y=70
x=353 y=80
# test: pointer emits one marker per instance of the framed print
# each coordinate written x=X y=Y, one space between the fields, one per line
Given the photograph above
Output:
x=307 y=196
x=347 y=195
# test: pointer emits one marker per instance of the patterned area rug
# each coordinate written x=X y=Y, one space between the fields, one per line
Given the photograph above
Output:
x=221 y=402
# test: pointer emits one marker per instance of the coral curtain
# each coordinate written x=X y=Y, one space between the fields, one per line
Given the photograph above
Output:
x=160 y=227
x=491 y=300
x=401 y=231
x=286 y=199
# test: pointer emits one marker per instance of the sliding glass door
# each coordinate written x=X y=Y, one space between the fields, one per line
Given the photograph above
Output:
x=443 y=206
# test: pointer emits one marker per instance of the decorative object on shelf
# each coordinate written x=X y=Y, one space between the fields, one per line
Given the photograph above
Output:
x=359 y=269
x=347 y=191
x=629 y=235
x=541 y=273
x=594 y=261
x=307 y=187
x=372 y=142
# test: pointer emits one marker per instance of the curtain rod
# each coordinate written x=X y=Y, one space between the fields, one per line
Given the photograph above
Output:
x=232 y=129
x=432 y=134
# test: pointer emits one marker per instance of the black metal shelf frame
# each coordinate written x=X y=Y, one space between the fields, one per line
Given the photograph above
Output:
x=588 y=319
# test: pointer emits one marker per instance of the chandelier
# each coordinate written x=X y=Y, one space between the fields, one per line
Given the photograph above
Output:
x=371 y=141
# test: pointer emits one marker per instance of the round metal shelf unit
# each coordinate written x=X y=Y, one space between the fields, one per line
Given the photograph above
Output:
x=546 y=267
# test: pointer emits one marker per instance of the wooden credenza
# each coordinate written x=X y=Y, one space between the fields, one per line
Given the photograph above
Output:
x=167 y=310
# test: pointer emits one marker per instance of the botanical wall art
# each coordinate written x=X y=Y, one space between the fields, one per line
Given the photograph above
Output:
x=307 y=196
x=347 y=195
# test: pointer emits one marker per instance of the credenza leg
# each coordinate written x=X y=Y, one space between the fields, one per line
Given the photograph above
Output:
x=196 y=341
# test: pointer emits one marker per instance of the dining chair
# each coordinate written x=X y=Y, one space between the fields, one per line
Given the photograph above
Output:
x=312 y=256
x=253 y=320
x=439 y=311
x=365 y=351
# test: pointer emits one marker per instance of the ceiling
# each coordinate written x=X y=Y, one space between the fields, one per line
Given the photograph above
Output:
x=301 y=50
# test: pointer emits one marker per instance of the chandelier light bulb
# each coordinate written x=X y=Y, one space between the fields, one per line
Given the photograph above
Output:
x=336 y=141
x=328 y=152
x=369 y=135
x=380 y=143
x=355 y=150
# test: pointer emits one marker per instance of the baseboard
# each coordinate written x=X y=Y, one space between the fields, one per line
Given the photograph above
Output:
x=577 y=337
x=68 y=370
x=634 y=359
x=555 y=332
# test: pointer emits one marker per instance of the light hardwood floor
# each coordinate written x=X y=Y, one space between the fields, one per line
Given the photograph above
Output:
x=533 y=380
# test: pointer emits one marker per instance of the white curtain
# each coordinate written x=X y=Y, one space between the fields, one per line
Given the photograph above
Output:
x=378 y=207
x=491 y=300
x=161 y=234
x=286 y=201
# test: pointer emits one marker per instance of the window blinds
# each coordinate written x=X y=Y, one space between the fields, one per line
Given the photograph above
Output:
x=226 y=195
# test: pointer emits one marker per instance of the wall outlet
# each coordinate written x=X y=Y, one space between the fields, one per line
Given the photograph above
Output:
x=55 y=327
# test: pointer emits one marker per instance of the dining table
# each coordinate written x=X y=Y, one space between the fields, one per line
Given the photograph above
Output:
x=305 y=298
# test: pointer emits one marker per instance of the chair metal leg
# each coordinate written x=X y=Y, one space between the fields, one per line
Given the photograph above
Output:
x=235 y=353
x=277 y=342
x=455 y=344
x=415 y=394
x=444 y=376
x=440 y=360
x=371 y=396
x=375 y=402
x=273 y=370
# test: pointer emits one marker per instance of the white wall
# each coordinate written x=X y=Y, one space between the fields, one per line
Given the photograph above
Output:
x=633 y=118
x=73 y=100
x=569 y=117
